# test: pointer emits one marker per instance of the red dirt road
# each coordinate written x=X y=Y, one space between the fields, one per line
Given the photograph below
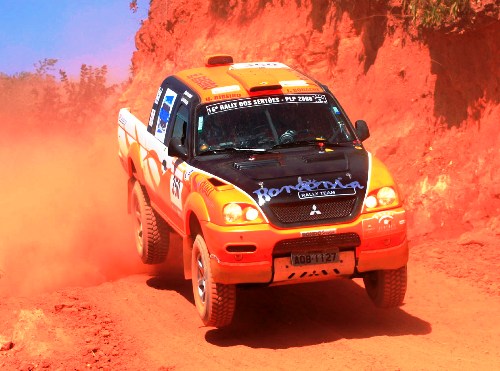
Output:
x=148 y=322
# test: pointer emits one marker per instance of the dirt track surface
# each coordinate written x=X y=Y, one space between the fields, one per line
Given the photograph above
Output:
x=148 y=322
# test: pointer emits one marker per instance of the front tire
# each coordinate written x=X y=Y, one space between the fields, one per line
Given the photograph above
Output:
x=151 y=232
x=387 y=288
x=215 y=302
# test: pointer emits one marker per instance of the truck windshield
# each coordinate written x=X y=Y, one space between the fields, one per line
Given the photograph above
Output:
x=268 y=122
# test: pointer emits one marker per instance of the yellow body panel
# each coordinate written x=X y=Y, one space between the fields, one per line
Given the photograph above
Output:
x=238 y=80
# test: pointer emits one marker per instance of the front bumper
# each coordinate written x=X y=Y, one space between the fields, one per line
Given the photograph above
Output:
x=389 y=258
x=383 y=246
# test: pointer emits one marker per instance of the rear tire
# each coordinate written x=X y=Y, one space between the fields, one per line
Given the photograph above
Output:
x=215 y=302
x=387 y=288
x=151 y=231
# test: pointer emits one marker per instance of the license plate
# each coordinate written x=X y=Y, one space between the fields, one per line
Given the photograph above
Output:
x=313 y=258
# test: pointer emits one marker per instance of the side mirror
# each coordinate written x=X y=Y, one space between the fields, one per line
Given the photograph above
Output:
x=175 y=148
x=362 y=130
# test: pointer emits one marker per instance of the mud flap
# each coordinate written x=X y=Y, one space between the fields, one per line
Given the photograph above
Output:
x=130 y=189
x=187 y=246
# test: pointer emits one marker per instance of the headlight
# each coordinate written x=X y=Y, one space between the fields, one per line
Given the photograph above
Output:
x=381 y=198
x=232 y=212
x=386 y=196
x=371 y=202
x=236 y=213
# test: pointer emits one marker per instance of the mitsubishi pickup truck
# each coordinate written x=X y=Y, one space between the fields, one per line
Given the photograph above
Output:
x=260 y=171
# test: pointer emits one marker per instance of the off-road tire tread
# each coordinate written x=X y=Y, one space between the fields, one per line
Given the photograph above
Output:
x=223 y=305
x=390 y=288
x=156 y=240
x=220 y=303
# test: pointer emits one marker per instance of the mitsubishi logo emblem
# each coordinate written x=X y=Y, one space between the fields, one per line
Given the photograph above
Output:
x=315 y=211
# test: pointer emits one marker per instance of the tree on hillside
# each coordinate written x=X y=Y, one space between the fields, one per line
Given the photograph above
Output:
x=85 y=97
x=133 y=6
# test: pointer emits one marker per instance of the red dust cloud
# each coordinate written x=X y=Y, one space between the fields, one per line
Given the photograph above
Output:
x=63 y=200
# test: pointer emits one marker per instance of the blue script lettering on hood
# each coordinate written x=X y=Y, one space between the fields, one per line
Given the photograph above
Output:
x=265 y=194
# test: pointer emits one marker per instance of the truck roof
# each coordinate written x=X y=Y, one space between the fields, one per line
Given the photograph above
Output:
x=221 y=79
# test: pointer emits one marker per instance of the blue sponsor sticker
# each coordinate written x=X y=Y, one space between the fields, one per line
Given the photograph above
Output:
x=164 y=114
x=169 y=99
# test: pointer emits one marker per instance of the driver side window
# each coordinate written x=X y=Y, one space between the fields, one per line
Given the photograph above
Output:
x=180 y=124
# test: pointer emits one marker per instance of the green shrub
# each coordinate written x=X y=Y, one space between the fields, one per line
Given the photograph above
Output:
x=436 y=14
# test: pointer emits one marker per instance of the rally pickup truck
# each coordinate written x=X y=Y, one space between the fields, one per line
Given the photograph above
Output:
x=260 y=171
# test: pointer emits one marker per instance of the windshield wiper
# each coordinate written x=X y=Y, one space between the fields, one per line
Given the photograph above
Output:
x=231 y=149
x=315 y=142
x=298 y=143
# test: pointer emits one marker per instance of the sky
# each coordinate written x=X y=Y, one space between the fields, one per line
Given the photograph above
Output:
x=94 y=32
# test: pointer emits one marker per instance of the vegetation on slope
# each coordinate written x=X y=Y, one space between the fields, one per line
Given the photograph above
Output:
x=55 y=98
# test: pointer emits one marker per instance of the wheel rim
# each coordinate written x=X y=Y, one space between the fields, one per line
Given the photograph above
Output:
x=201 y=278
x=138 y=228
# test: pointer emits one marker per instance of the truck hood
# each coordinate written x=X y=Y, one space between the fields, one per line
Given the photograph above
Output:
x=295 y=177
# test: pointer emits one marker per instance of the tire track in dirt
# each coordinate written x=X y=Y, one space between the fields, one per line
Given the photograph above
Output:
x=148 y=322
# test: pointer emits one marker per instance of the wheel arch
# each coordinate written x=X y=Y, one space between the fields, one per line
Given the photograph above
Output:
x=134 y=168
x=131 y=169
x=195 y=205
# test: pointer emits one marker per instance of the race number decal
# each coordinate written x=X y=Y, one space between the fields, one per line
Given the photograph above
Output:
x=176 y=191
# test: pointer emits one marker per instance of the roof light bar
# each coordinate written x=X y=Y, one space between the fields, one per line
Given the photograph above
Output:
x=218 y=59
x=265 y=87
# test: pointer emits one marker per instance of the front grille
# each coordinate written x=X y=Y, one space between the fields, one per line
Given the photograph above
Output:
x=343 y=241
x=331 y=208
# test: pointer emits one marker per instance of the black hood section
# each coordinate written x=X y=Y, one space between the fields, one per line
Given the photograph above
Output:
x=295 y=188
x=272 y=167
